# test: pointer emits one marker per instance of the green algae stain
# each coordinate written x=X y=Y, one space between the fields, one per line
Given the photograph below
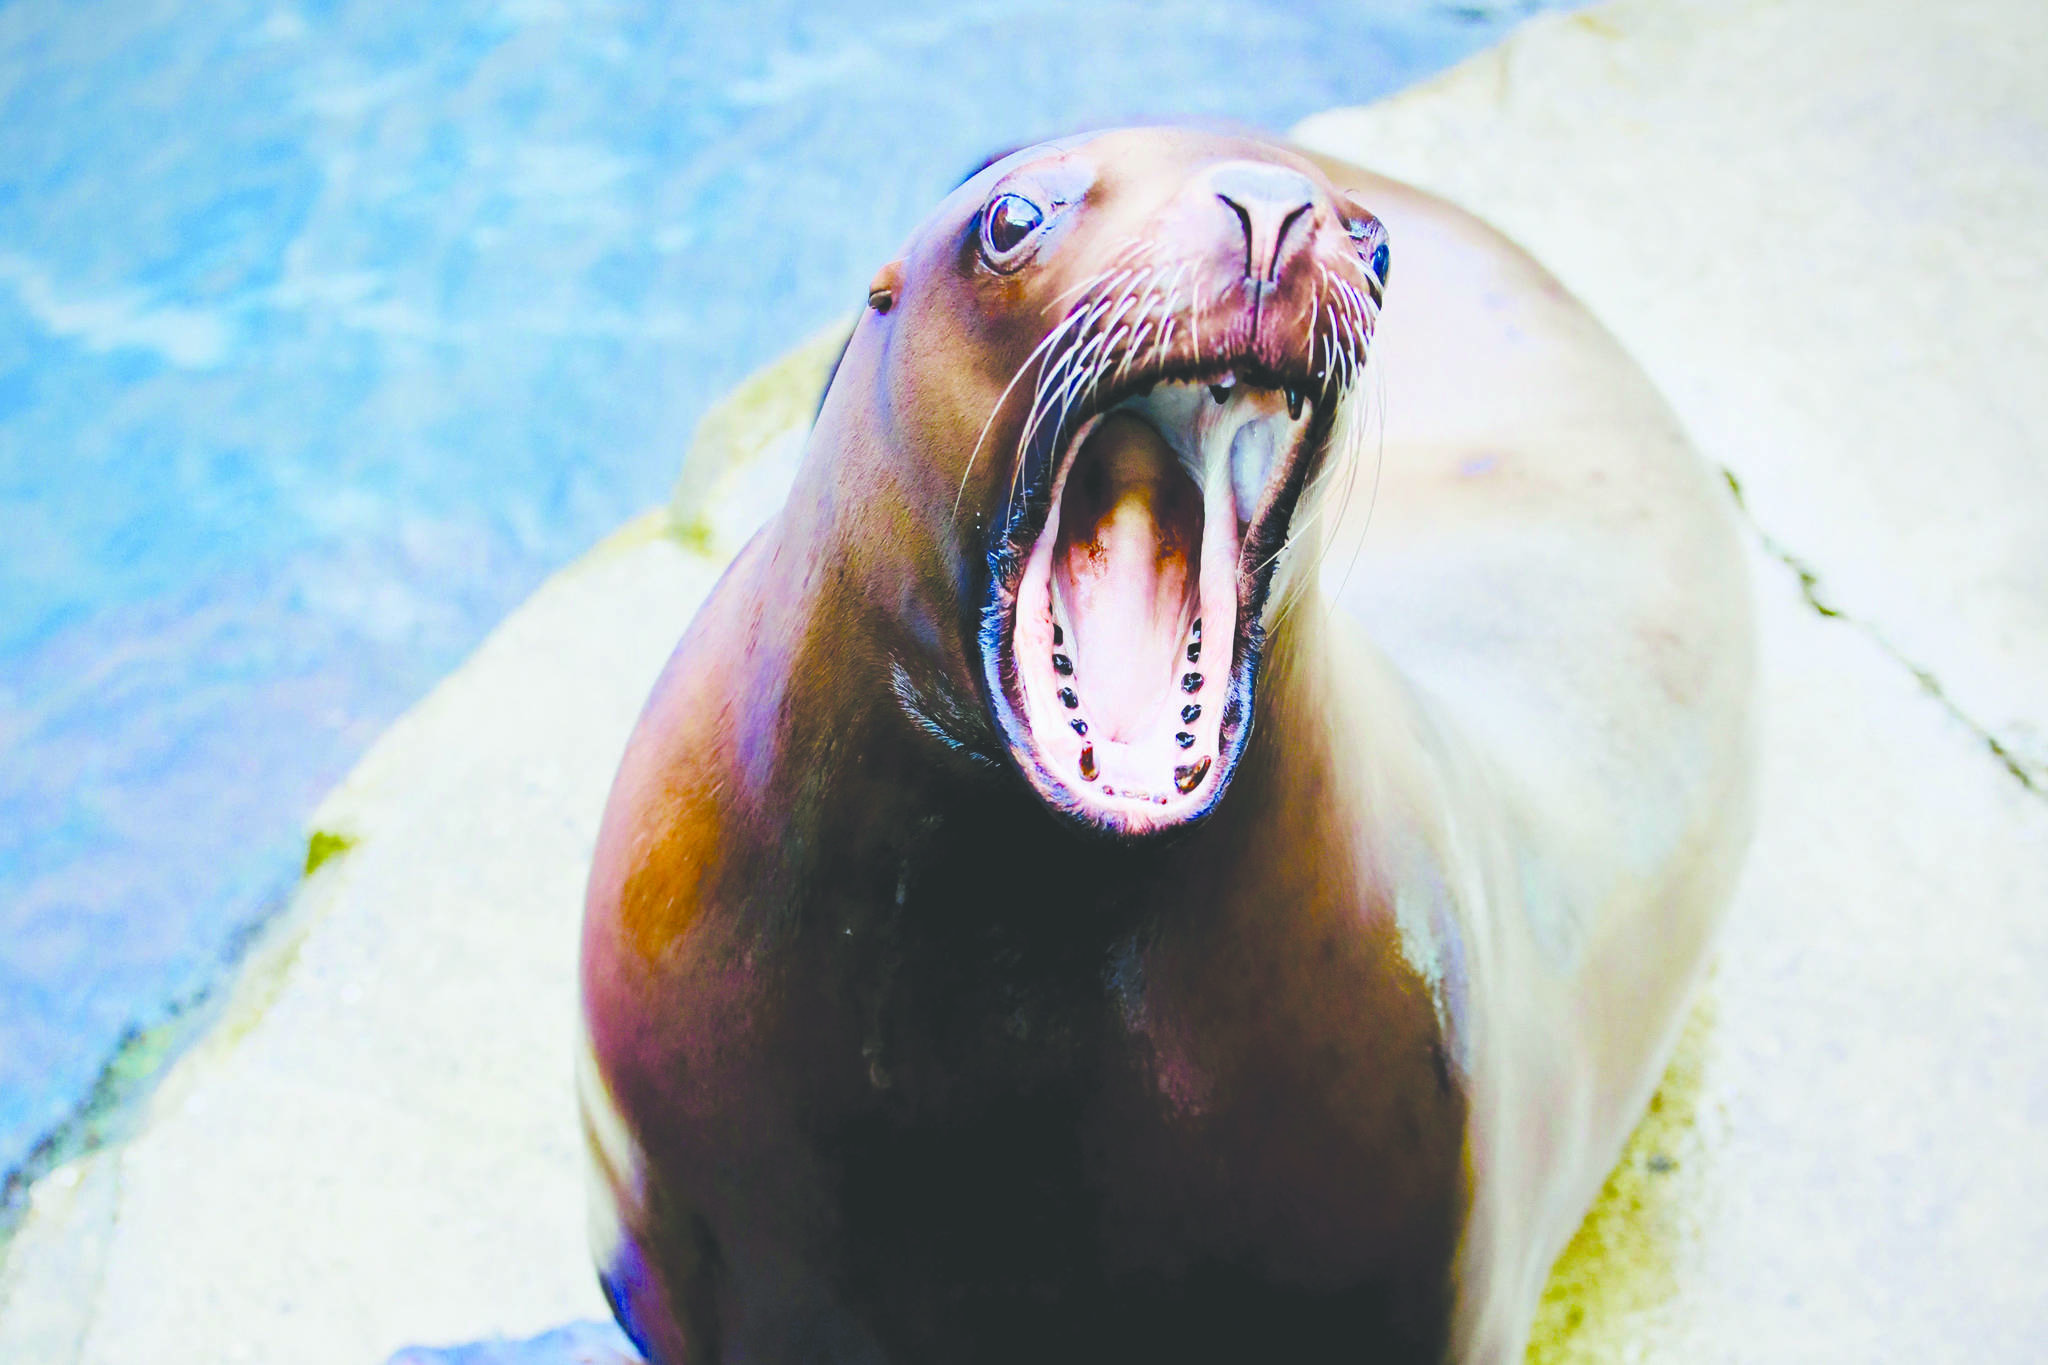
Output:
x=694 y=535
x=323 y=845
x=1623 y=1261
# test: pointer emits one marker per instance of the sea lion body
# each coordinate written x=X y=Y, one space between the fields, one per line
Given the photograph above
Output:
x=904 y=1046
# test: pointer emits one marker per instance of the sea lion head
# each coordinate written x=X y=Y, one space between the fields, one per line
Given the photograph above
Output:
x=1117 y=368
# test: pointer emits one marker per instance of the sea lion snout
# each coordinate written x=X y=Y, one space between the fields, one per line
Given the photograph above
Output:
x=1271 y=203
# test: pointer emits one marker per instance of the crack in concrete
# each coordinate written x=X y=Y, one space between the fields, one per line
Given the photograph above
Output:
x=1809 y=588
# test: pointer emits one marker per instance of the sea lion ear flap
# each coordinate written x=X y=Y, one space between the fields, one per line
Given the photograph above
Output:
x=883 y=288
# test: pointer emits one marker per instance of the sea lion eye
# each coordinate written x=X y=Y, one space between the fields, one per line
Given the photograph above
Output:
x=1007 y=224
x=1371 y=241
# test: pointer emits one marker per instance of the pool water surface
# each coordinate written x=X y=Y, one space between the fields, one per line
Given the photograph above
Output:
x=327 y=330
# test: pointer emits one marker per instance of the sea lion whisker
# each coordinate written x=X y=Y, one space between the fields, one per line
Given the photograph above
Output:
x=1357 y=328
x=1172 y=293
x=1351 y=331
x=1315 y=305
x=1076 y=361
x=1056 y=381
x=1169 y=289
x=1167 y=294
x=1296 y=527
x=1376 y=414
x=1050 y=382
x=1342 y=307
x=1350 y=291
x=1092 y=351
x=1037 y=351
x=1124 y=305
x=1116 y=354
x=1085 y=315
x=1134 y=349
x=1123 y=259
x=1367 y=311
x=1096 y=287
x=1342 y=453
x=1098 y=365
x=1162 y=341
x=1083 y=287
x=1312 y=514
x=1168 y=314
x=1321 y=340
x=1357 y=308
x=1150 y=316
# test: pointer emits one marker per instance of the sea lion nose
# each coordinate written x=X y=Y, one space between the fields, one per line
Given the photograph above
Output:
x=1272 y=204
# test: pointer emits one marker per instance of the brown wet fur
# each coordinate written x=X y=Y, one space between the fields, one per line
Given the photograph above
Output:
x=916 y=1072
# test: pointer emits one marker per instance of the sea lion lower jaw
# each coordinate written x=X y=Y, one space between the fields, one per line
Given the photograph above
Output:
x=1123 y=633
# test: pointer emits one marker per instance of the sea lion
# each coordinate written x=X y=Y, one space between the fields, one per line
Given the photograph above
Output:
x=1036 y=919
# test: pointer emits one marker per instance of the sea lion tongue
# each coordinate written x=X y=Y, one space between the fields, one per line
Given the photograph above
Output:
x=1126 y=570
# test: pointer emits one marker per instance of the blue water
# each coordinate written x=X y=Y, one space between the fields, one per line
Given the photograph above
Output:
x=328 y=329
x=578 y=1343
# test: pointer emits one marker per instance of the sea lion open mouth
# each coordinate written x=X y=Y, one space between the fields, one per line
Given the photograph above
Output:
x=1181 y=342
x=1129 y=644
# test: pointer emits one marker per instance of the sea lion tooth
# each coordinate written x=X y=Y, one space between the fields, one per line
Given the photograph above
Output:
x=1195 y=652
x=1088 y=764
x=1190 y=682
x=1219 y=393
x=1188 y=776
x=1080 y=726
x=1058 y=636
x=1184 y=739
x=1197 y=632
x=1294 y=401
x=1191 y=713
x=1062 y=665
x=1069 y=699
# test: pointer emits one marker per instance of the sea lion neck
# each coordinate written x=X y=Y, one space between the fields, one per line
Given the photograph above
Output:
x=847 y=733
